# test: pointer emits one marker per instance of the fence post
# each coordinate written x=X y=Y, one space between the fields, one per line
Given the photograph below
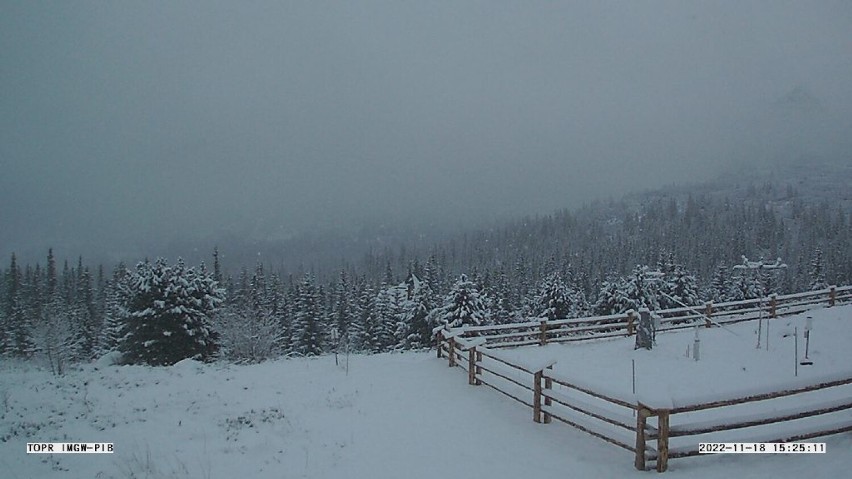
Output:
x=631 y=326
x=537 y=397
x=451 y=346
x=543 y=327
x=478 y=368
x=642 y=414
x=662 y=440
x=708 y=311
x=832 y=295
x=548 y=384
x=440 y=338
x=773 y=306
x=471 y=366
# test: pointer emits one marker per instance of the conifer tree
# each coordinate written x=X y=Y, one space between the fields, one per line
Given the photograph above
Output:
x=641 y=291
x=217 y=268
x=553 y=301
x=816 y=271
x=366 y=336
x=342 y=308
x=680 y=289
x=385 y=320
x=85 y=313
x=418 y=306
x=307 y=327
x=745 y=285
x=170 y=311
x=502 y=309
x=18 y=328
x=718 y=291
x=115 y=310
x=462 y=305
x=612 y=298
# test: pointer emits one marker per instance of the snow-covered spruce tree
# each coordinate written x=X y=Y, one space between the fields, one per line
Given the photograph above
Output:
x=85 y=312
x=18 y=327
x=420 y=302
x=341 y=314
x=364 y=335
x=718 y=290
x=501 y=300
x=307 y=325
x=399 y=307
x=115 y=310
x=680 y=289
x=279 y=311
x=556 y=300
x=640 y=292
x=386 y=316
x=612 y=298
x=462 y=305
x=744 y=285
x=169 y=314
x=771 y=280
x=816 y=271
x=553 y=300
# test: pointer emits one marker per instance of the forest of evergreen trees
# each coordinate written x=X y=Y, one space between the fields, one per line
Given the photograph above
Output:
x=653 y=250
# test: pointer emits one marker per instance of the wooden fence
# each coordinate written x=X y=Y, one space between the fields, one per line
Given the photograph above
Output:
x=815 y=406
x=542 y=332
x=624 y=420
x=633 y=424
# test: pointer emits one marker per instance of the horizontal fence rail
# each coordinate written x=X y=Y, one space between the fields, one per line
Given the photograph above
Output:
x=726 y=418
x=648 y=427
x=541 y=332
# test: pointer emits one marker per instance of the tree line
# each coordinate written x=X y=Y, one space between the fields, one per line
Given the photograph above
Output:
x=659 y=252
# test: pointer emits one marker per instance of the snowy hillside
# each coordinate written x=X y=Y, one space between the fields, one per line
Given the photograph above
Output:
x=390 y=415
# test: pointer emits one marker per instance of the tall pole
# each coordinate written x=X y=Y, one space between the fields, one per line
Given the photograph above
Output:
x=796 y=351
x=633 y=370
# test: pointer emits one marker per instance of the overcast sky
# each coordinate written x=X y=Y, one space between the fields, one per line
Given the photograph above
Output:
x=130 y=123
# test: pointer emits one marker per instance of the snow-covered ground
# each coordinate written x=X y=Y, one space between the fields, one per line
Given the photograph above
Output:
x=392 y=415
x=730 y=362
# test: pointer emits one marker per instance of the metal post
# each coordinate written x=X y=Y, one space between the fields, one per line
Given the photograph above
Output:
x=696 y=344
x=809 y=322
x=796 y=352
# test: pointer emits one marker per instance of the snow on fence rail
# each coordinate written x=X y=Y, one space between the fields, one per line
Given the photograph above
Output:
x=722 y=420
x=624 y=420
x=549 y=395
x=596 y=327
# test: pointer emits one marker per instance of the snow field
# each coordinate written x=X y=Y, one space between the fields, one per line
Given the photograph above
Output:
x=393 y=415
x=730 y=367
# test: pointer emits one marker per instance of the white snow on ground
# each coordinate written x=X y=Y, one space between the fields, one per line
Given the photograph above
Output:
x=730 y=365
x=393 y=415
